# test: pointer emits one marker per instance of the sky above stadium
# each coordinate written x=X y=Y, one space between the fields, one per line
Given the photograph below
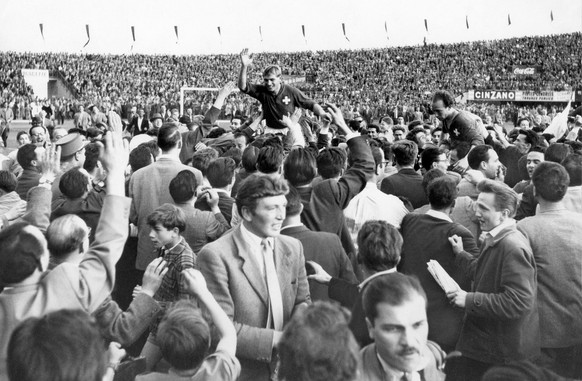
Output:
x=368 y=24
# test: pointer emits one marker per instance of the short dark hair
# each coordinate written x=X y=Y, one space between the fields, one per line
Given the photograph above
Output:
x=36 y=341
x=73 y=183
x=531 y=137
x=398 y=128
x=299 y=167
x=405 y=152
x=379 y=245
x=522 y=119
x=393 y=289
x=20 y=133
x=318 y=345
x=169 y=216
x=249 y=159
x=331 y=162
x=169 y=137
x=183 y=186
x=201 y=159
x=256 y=187
x=216 y=132
x=445 y=96
x=442 y=192
x=551 y=181
x=478 y=155
x=269 y=159
x=557 y=152
x=8 y=181
x=429 y=156
x=20 y=252
x=429 y=176
x=415 y=130
x=220 y=172
x=65 y=234
x=184 y=336
x=235 y=154
x=26 y=155
x=505 y=197
x=91 y=157
x=139 y=157
x=293 y=202
x=573 y=165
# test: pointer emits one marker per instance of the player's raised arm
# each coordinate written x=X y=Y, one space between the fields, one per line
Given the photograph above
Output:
x=246 y=60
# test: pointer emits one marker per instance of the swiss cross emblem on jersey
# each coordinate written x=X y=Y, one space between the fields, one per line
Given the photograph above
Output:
x=286 y=100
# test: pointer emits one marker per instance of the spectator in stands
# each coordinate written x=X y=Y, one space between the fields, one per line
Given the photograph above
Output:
x=167 y=224
x=28 y=157
x=11 y=205
x=24 y=256
x=148 y=188
x=184 y=337
x=220 y=175
x=398 y=301
x=82 y=355
x=317 y=345
x=426 y=238
x=321 y=247
x=373 y=204
x=573 y=198
x=406 y=183
x=553 y=234
x=201 y=159
x=201 y=227
x=482 y=159
x=259 y=316
x=504 y=274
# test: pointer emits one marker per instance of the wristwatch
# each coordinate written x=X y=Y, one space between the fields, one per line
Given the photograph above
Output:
x=46 y=180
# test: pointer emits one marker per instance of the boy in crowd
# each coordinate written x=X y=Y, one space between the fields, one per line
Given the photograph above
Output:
x=184 y=339
x=167 y=222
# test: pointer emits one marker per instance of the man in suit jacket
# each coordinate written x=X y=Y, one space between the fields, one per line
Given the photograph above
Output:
x=235 y=267
x=323 y=248
x=554 y=236
x=426 y=238
x=24 y=257
x=148 y=187
x=407 y=182
x=139 y=124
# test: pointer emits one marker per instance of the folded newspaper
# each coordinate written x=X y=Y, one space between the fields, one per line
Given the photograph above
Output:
x=439 y=274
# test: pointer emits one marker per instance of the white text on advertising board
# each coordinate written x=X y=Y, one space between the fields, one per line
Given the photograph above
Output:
x=495 y=95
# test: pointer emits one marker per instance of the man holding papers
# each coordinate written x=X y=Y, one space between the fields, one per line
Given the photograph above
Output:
x=501 y=322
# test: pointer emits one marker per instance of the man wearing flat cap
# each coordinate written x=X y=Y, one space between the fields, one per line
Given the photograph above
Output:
x=72 y=155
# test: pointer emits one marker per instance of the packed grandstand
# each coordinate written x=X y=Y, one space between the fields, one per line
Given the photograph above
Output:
x=376 y=79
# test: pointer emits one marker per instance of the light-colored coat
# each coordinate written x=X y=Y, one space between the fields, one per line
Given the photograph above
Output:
x=150 y=187
x=234 y=278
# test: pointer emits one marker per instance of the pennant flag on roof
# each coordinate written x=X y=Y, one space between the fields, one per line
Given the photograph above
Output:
x=552 y=15
x=41 y=31
x=467 y=21
x=508 y=19
x=344 y=29
x=426 y=25
x=88 y=35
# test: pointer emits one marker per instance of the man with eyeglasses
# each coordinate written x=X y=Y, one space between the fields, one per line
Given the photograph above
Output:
x=277 y=99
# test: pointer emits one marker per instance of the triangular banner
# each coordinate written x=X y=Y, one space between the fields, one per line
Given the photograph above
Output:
x=41 y=31
x=261 y=33
x=386 y=29
x=344 y=29
x=219 y=33
x=133 y=32
x=467 y=21
x=176 y=31
x=426 y=25
x=508 y=19
x=88 y=35
x=552 y=16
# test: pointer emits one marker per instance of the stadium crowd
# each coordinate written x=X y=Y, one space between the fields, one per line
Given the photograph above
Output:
x=375 y=80
x=293 y=244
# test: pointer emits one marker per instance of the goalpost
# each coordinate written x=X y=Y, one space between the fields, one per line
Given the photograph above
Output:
x=183 y=89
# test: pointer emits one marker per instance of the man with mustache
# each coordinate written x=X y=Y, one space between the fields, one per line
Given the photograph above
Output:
x=395 y=308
